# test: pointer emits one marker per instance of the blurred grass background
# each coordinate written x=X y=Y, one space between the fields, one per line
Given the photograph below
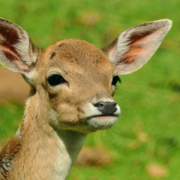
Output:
x=145 y=143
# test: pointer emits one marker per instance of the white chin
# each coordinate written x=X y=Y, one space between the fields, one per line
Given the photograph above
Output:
x=102 y=122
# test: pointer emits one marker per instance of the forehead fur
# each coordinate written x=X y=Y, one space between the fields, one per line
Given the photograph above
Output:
x=79 y=53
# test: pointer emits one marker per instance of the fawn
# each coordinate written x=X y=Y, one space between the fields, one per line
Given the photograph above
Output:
x=72 y=84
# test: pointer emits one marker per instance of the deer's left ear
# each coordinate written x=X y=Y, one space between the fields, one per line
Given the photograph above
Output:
x=135 y=46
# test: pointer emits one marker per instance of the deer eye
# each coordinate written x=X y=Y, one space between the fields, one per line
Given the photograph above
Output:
x=56 y=80
x=115 y=80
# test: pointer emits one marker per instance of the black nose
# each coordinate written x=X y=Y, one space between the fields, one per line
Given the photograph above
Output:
x=106 y=107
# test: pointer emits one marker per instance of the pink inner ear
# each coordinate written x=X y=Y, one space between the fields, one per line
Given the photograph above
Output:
x=136 y=46
x=8 y=39
x=9 y=54
x=17 y=52
x=140 y=45
x=131 y=55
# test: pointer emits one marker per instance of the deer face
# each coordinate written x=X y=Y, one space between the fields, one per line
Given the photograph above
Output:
x=78 y=82
x=73 y=80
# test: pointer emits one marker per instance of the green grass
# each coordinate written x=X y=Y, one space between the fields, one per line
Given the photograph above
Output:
x=10 y=116
x=149 y=98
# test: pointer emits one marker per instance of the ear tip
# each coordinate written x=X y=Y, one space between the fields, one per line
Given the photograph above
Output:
x=165 y=22
x=4 y=20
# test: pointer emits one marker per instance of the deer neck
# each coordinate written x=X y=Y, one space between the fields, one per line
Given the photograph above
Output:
x=45 y=153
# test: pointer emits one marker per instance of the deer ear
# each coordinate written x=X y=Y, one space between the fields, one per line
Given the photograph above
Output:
x=17 y=53
x=135 y=46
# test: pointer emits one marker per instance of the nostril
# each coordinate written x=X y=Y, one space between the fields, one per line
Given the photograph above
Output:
x=99 y=104
x=114 y=103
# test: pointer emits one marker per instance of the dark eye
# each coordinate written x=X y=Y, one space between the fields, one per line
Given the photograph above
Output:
x=56 y=80
x=115 y=80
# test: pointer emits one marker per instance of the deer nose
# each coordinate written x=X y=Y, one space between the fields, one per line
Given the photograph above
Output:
x=107 y=108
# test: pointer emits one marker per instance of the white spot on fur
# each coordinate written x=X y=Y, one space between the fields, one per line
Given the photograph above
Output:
x=26 y=111
x=70 y=143
x=18 y=132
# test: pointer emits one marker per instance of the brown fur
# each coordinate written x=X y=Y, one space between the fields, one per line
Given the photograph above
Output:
x=35 y=126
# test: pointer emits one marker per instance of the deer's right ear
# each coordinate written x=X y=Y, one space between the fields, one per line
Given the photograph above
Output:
x=17 y=53
x=135 y=46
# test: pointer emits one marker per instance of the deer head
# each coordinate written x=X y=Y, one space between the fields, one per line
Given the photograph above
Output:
x=74 y=81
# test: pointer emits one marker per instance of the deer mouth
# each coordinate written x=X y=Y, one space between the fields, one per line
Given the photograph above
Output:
x=108 y=115
x=102 y=121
